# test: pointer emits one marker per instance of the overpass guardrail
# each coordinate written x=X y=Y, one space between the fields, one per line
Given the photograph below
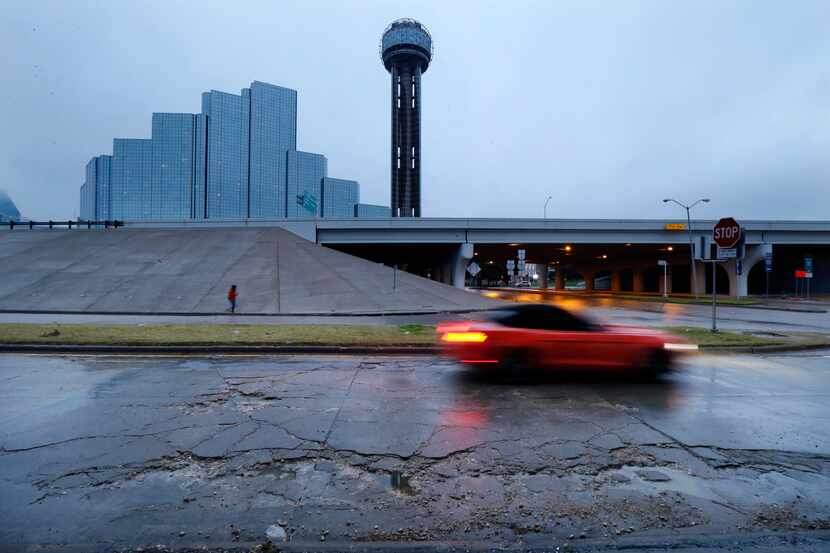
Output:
x=30 y=225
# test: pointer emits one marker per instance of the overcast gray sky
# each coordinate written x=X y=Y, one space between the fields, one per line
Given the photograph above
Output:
x=607 y=106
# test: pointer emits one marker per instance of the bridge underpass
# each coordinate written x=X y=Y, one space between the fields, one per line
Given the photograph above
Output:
x=629 y=267
x=609 y=267
x=589 y=267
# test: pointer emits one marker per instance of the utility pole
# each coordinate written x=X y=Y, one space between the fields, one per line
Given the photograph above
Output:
x=689 y=231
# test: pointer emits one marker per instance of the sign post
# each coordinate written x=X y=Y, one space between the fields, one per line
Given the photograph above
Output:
x=522 y=263
x=726 y=234
x=767 y=267
x=665 y=264
x=714 y=297
x=808 y=269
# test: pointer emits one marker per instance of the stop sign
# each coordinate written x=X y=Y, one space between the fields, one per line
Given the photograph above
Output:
x=727 y=232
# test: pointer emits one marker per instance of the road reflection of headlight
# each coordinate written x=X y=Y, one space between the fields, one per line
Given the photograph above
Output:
x=680 y=347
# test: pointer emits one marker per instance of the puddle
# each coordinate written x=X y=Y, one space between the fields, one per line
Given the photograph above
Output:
x=401 y=483
x=395 y=480
x=662 y=479
x=283 y=471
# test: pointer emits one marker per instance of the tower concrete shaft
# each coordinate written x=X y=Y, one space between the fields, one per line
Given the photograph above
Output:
x=406 y=138
x=406 y=51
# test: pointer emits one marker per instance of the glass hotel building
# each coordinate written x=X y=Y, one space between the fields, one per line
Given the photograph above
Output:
x=237 y=159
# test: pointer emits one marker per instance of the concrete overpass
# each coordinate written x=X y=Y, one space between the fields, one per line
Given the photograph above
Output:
x=624 y=250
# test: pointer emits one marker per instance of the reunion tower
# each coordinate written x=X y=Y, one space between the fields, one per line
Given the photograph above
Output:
x=406 y=50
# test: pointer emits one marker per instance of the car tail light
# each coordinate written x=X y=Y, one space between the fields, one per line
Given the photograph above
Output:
x=469 y=337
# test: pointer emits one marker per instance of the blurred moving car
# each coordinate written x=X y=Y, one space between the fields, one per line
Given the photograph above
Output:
x=544 y=336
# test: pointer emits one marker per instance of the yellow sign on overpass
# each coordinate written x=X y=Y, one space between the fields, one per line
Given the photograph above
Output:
x=675 y=226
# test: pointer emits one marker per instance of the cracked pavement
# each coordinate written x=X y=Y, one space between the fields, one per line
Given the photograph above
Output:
x=123 y=452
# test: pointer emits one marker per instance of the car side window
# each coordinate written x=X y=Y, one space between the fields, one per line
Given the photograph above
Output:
x=552 y=319
x=570 y=323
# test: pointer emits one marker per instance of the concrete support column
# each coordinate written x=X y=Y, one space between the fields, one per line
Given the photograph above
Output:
x=615 y=280
x=731 y=267
x=438 y=272
x=560 y=279
x=543 y=276
x=589 y=280
x=700 y=267
x=458 y=265
x=753 y=255
x=637 y=279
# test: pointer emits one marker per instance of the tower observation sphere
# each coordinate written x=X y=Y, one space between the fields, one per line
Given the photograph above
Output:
x=406 y=50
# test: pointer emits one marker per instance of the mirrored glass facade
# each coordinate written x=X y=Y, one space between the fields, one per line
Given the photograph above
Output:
x=306 y=172
x=340 y=197
x=132 y=173
x=95 y=192
x=236 y=159
x=225 y=196
x=273 y=132
x=173 y=164
x=370 y=211
x=88 y=192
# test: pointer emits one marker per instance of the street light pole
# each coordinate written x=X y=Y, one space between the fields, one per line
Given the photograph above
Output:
x=691 y=243
x=546 y=207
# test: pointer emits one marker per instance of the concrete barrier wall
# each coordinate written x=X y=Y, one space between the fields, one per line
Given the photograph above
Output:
x=189 y=271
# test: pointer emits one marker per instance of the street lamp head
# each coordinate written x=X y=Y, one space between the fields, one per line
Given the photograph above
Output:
x=705 y=200
x=667 y=200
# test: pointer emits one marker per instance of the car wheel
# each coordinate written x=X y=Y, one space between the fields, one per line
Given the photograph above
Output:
x=657 y=362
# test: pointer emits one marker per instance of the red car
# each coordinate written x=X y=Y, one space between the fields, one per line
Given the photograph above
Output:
x=544 y=336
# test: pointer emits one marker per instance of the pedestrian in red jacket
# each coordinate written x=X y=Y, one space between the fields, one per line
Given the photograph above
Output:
x=232 y=298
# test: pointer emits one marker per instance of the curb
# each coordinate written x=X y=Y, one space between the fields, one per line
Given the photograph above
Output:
x=242 y=314
x=646 y=299
x=229 y=349
x=761 y=307
x=777 y=348
x=320 y=350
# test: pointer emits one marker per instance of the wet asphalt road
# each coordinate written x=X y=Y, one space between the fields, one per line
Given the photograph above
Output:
x=100 y=453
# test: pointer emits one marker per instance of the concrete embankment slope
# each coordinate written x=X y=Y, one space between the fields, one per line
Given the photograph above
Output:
x=189 y=271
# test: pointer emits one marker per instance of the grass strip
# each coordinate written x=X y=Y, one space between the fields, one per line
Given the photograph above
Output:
x=216 y=334
x=311 y=335
x=704 y=337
